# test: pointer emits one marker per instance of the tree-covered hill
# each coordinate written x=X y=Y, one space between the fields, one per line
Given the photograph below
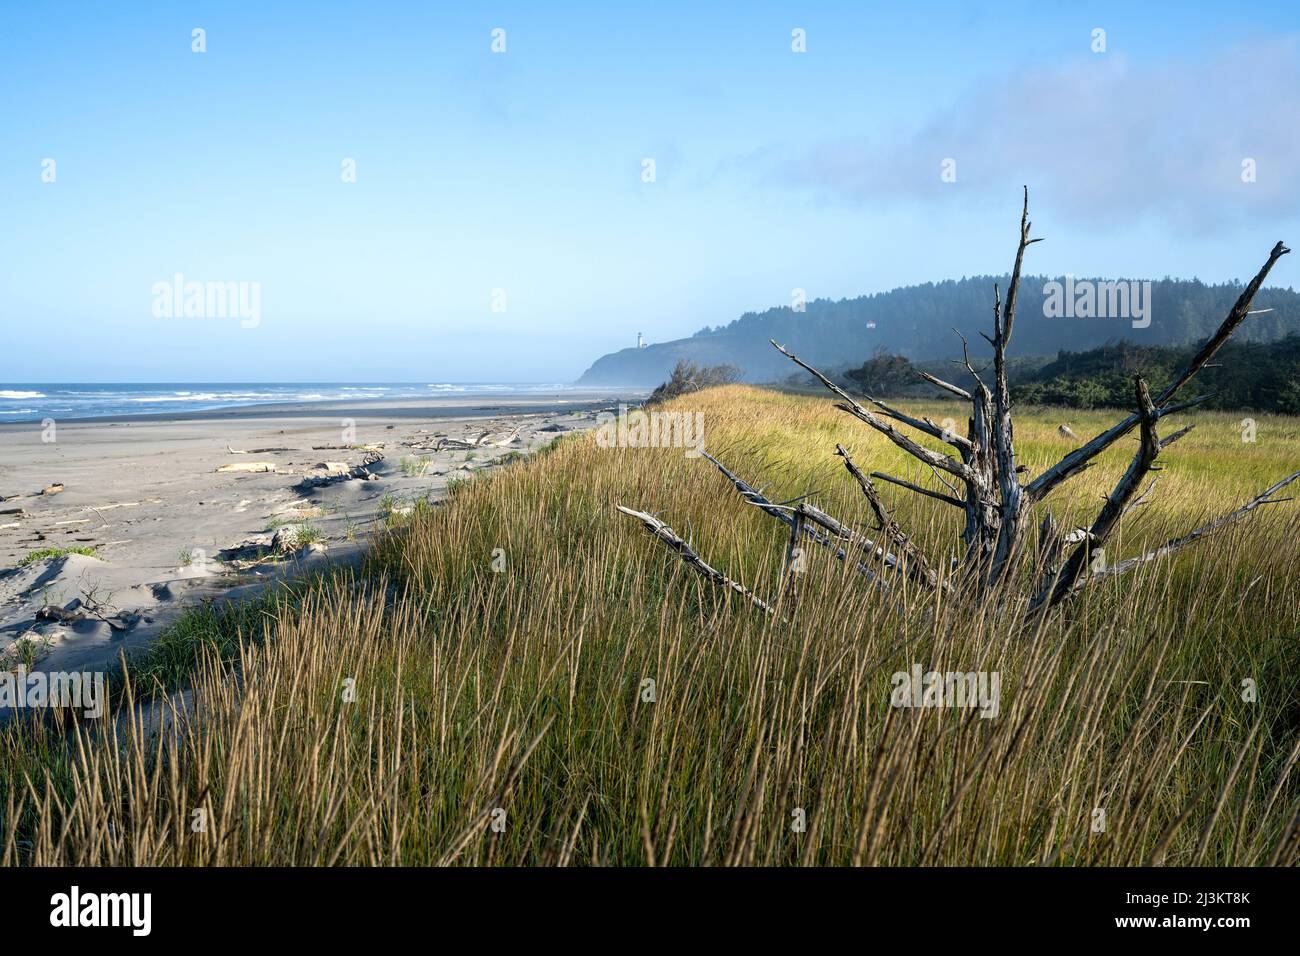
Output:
x=1263 y=376
x=917 y=322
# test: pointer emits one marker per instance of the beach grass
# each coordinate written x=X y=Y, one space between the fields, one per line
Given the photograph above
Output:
x=523 y=676
x=43 y=553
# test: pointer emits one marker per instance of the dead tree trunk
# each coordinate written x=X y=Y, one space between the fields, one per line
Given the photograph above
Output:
x=998 y=507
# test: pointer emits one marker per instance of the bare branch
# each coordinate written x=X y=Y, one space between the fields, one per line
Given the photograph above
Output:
x=946 y=386
x=1182 y=406
x=1073 y=463
x=839 y=529
x=916 y=564
x=908 y=445
x=922 y=425
x=1009 y=311
x=1166 y=442
x=1117 y=504
x=750 y=493
x=786 y=515
x=684 y=551
x=1177 y=544
x=1143 y=498
x=937 y=495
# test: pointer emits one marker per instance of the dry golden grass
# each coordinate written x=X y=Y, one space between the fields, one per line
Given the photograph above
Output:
x=500 y=716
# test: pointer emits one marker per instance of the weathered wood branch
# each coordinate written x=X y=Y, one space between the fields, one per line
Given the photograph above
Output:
x=838 y=529
x=1074 y=462
x=1177 y=544
x=928 y=492
x=1116 y=504
x=1166 y=442
x=915 y=563
x=750 y=493
x=922 y=425
x=786 y=516
x=945 y=462
x=679 y=547
x=794 y=564
x=946 y=386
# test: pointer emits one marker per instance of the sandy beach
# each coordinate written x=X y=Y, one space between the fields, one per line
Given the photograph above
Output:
x=213 y=505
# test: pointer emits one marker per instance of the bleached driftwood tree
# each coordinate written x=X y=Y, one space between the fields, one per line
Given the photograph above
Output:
x=984 y=480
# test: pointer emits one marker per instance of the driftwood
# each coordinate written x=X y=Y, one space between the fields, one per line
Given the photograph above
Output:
x=88 y=606
x=998 y=505
x=785 y=515
x=257 y=451
x=360 y=472
x=254 y=467
x=443 y=443
x=500 y=442
x=688 y=555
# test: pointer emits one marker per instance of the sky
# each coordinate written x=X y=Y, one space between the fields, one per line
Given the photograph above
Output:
x=502 y=224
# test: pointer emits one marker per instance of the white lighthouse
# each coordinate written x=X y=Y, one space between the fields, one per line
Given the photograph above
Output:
x=640 y=341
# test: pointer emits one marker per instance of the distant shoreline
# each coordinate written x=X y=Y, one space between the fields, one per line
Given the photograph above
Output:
x=454 y=406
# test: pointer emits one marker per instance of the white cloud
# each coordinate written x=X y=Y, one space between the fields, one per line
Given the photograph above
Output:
x=1105 y=140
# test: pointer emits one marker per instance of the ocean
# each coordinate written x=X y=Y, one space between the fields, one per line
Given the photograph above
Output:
x=35 y=402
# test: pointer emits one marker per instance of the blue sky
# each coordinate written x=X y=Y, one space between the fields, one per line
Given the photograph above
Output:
x=522 y=170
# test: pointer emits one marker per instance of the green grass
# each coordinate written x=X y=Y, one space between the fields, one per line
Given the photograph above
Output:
x=43 y=553
x=308 y=533
x=414 y=466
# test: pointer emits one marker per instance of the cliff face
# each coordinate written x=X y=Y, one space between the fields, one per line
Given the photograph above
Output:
x=918 y=322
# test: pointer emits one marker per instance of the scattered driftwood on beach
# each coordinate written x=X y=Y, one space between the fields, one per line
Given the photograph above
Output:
x=484 y=439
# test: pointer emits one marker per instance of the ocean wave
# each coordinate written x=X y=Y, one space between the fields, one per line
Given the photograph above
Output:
x=199 y=397
x=7 y=393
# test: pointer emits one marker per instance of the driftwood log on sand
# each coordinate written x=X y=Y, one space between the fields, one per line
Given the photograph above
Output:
x=981 y=478
x=253 y=467
x=257 y=451
x=360 y=472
